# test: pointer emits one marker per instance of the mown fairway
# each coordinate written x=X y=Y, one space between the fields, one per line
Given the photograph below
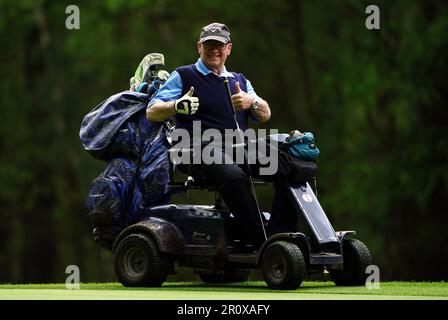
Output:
x=247 y=291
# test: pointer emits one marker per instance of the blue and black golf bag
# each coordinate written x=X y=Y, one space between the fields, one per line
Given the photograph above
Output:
x=137 y=171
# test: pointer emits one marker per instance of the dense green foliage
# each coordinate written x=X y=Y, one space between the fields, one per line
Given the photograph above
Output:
x=376 y=101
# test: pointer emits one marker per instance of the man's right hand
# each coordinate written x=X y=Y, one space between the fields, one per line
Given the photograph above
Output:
x=187 y=104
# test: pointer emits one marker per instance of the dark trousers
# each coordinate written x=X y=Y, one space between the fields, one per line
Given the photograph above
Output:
x=234 y=185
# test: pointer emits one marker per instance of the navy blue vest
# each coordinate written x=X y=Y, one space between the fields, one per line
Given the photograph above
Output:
x=215 y=110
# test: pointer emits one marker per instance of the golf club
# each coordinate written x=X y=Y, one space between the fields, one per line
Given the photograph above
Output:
x=241 y=136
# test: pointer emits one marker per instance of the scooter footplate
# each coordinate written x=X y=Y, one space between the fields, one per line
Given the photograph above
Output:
x=326 y=259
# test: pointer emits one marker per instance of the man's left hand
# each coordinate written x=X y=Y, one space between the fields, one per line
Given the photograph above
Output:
x=241 y=100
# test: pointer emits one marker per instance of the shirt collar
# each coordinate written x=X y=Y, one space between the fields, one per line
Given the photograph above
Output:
x=202 y=68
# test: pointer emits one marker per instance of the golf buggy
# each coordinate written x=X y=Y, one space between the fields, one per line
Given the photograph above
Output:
x=201 y=237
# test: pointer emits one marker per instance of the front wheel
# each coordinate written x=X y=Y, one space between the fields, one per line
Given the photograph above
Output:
x=356 y=260
x=283 y=266
x=138 y=262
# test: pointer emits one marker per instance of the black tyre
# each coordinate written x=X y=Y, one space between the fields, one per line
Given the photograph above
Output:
x=229 y=275
x=138 y=262
x=283 y=266
x=356 y=259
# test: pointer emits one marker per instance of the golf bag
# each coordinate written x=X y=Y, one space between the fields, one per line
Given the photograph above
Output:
x=137 y=171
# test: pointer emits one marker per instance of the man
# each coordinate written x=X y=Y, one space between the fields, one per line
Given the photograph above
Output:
x=197 y=93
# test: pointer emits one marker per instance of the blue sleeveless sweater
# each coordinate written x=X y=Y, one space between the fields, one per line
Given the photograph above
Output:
x=215 y=110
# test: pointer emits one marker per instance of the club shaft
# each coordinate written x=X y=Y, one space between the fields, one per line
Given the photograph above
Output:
x=251 y=182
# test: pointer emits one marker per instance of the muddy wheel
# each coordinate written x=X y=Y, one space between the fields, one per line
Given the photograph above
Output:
x=356 y=260
x=138 y=262
x=283 y=266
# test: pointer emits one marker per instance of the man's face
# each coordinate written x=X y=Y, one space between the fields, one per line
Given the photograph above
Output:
x=214 y=53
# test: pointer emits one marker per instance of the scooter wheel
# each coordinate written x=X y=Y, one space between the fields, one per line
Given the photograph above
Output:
x=138 y=262
x=283 y=266
x=356 y=259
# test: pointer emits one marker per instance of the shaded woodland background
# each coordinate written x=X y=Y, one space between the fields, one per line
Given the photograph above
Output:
x=375 y=100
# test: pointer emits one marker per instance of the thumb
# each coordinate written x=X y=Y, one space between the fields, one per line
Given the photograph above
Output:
x=191 y=92
x=237 y=87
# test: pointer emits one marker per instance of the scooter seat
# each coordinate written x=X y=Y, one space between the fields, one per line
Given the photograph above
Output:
x=196 y=178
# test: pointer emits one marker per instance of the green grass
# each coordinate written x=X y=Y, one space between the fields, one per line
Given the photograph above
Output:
x=246 y=291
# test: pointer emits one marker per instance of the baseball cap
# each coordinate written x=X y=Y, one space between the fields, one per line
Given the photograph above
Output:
x=215 y=31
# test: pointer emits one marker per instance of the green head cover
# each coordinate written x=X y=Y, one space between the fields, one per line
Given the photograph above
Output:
x=150 y=63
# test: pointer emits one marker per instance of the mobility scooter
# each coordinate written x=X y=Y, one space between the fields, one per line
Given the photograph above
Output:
x=200 y=237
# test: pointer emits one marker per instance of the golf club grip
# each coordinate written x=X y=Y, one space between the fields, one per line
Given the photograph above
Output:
x=229 y=95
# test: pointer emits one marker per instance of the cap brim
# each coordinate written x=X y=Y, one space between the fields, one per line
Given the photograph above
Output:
x=217 y=38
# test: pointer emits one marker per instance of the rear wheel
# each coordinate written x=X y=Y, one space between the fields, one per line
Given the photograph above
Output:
x=138 y=262
x=356 y=260
x=283 y=266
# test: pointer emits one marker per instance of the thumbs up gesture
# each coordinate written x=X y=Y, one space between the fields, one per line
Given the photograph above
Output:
x=241 y=100
x=237 y=87
x=187 y=104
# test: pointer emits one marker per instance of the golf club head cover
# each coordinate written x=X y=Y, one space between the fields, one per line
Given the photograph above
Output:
x=163 y=75
x=187 y=104
x=143 y=87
